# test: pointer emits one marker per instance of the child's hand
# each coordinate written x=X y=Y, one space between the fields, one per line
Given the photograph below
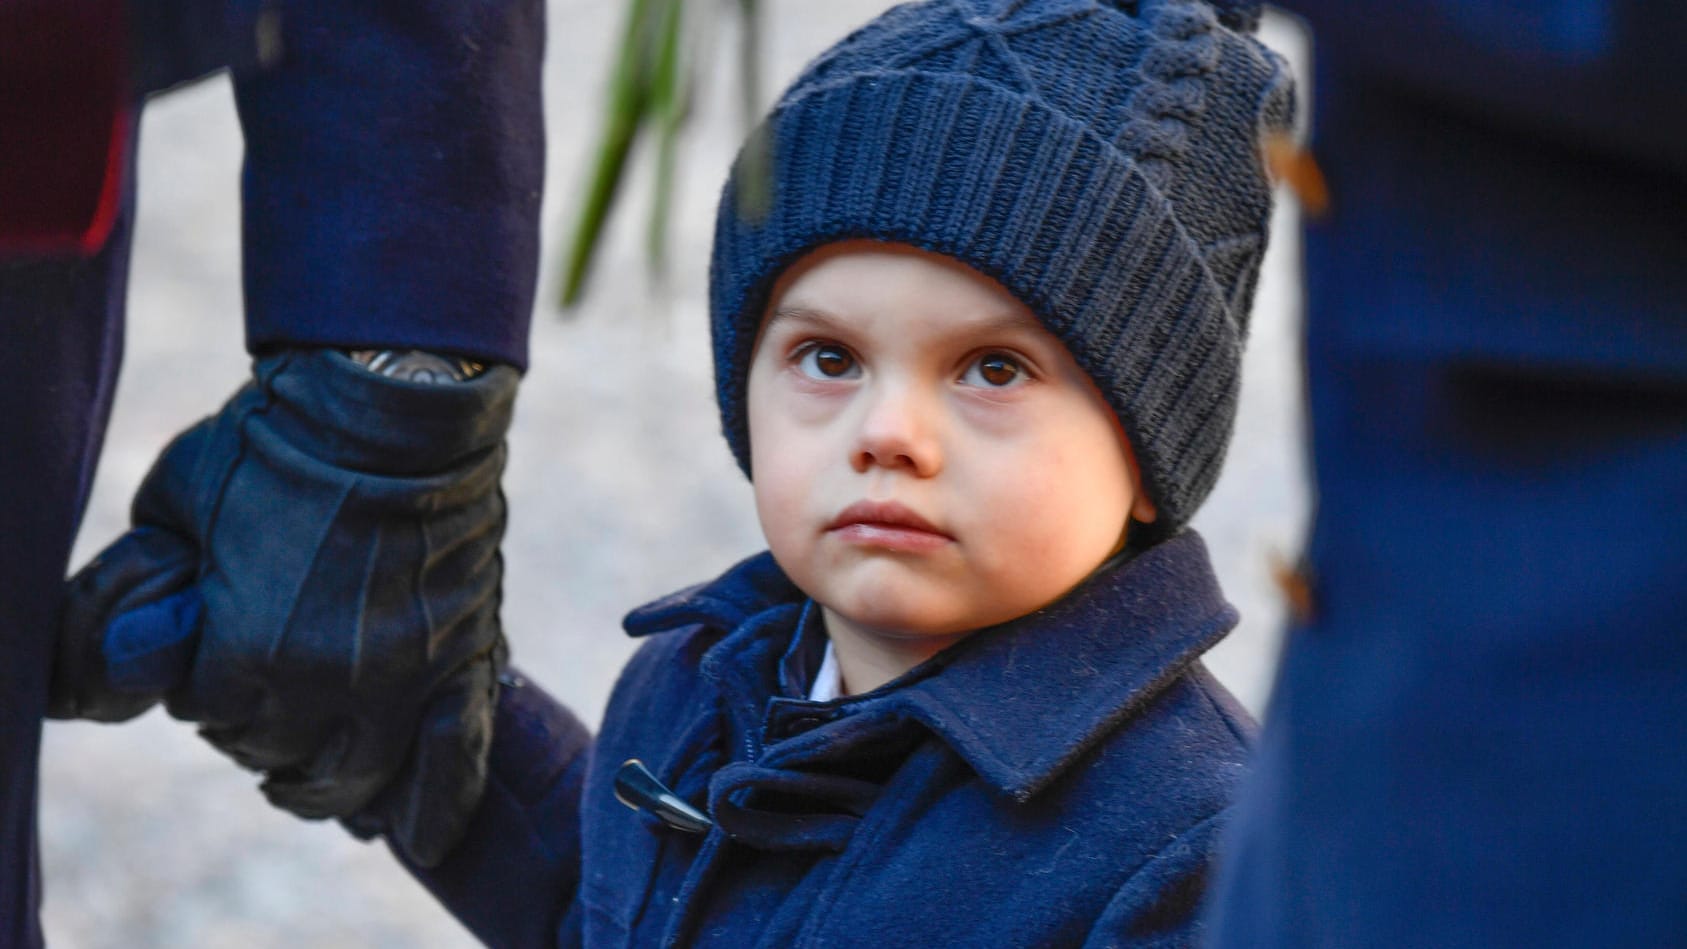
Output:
x=130 y=627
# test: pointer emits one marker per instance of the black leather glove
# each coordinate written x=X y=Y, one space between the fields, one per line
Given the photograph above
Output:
x=345 y=529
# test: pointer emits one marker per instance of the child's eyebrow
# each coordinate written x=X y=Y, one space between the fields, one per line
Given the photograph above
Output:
x=801 y=314
x=1003 y=320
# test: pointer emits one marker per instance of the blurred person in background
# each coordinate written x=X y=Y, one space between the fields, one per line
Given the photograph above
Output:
x=1478 y=730
x=379 y=134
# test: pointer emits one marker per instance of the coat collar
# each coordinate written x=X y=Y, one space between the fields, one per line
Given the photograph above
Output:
x=1018 y=702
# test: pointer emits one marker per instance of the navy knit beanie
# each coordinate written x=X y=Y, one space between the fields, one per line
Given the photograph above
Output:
x=1101 y=160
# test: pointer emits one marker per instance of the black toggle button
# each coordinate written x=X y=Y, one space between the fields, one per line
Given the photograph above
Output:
x=637 y=788
x=788 y=718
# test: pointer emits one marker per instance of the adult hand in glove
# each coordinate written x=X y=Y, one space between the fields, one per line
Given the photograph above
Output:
x=325 y=549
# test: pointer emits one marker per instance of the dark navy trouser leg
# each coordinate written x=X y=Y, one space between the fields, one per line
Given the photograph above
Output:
x=61 y=340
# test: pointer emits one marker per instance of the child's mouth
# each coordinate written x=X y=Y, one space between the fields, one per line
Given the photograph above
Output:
x=887 y=525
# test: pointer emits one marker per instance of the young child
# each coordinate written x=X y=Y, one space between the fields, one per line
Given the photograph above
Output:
x=980 y=361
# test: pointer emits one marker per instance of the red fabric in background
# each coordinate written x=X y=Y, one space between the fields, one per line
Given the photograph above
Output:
x=64 y=123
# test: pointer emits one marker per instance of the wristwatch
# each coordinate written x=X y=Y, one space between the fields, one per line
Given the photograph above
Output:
x=415 y=365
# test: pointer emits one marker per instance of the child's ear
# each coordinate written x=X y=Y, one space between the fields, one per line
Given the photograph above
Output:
x=1142 y=509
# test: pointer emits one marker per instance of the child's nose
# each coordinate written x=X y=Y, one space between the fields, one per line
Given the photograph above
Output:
x=898 y=429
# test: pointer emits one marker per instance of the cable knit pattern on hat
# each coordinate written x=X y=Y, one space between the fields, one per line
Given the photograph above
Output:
x=1172 y=90
x=1099 y=160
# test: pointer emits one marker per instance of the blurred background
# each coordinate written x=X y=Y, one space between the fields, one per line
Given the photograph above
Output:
x=620 y=489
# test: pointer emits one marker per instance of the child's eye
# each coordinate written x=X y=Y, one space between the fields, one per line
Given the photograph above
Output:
x=826 y=361
x=994 y=371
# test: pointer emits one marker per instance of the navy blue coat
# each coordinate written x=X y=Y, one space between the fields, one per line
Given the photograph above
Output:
x=1056 y=781
x=387 y=136
x=1479 y=738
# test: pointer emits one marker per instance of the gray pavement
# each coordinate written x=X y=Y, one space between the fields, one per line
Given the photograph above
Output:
x=620 y=489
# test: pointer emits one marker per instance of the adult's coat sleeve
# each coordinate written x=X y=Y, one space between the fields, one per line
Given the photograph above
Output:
x=394 y=162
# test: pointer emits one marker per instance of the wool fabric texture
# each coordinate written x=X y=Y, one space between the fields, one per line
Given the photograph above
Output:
x=1099 y=160
x=1060 y=780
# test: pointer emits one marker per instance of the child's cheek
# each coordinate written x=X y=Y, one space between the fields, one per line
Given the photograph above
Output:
x=784 y=452
x=778 y=494
x=1071 y=503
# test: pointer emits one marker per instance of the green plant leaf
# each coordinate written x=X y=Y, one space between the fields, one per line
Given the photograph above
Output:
x=629 y=101
x=755 y=190
x=668 y=92
x=652 y=84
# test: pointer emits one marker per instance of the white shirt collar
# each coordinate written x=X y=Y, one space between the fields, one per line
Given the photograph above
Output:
x=828 y=682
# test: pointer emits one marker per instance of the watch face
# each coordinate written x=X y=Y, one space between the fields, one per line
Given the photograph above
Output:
x=414 y=365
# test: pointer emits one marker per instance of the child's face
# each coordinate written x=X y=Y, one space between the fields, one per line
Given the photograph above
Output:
x=927 y=459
